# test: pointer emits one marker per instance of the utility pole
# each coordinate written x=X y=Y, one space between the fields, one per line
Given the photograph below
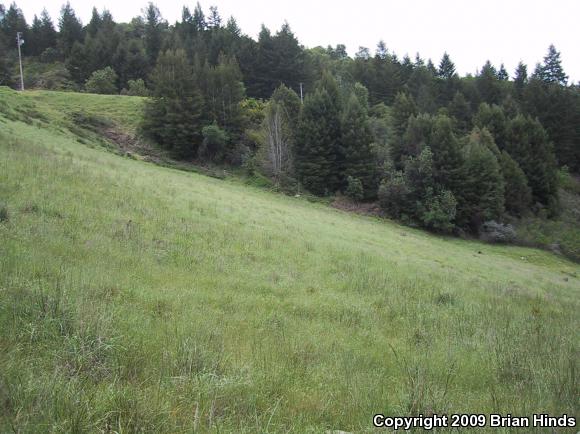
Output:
x=301 y=97
x=20 y=42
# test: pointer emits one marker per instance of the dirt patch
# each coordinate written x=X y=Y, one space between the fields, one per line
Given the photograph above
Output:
x=132 y=145
x=363 y=208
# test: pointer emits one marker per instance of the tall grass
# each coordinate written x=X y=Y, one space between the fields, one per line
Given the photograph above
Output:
x=135 y=298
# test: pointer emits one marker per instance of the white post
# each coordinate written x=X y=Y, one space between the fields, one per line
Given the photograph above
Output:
x=20 y=42
x=301 y=97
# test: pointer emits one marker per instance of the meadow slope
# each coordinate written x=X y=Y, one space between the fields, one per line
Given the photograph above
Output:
x=137 y=298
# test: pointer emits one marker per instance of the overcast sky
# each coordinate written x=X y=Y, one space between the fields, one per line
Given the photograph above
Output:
x=470 y=31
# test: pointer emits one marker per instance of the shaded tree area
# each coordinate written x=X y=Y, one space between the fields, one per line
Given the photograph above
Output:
x=436 y=149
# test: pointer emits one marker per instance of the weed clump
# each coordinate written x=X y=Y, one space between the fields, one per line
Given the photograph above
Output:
x=4 y=214
x=494 y=232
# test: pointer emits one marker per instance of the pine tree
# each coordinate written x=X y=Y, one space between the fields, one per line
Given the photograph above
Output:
x=173 y=117
x=551 y=71
x=488 y=84
x=356 y=157
x=223 y=91
x=517 y=193
x=447 y=157
x=460 y=111
x=290 y=103
x=154 y=26
x=520 y=80
x=502 y=74
x=446 y=67
x=483 y=189
x=95 y=24
x=419 y=177
x=70 y=30
x=528 y=144
x=233 y=28
x=199 y=22
x=289 y=59
x=130 y=61
x=421 y=87
x=417 y=135
x=214 y=20
x=318 y=138
x=13 y=22
x=35 y=38
x=494 y=120
x=449 y=81
x=79 y=63
x=483 y=137
x=48 y=34
x=381 y=75
x=403 y=108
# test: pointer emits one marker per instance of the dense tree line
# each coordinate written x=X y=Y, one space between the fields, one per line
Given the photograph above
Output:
x=435 y=149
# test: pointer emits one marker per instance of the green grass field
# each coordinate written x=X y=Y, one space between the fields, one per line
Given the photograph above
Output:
x=137 y=298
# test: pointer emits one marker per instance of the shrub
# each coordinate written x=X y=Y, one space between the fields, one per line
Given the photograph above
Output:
x=440 y=213
x=4 y=215
x=214 y=143
x=55 y=77
x=354 y=189
x=102 y=81
x=393 y=195
x=50 y=55
x=137 y=88
x=495 y=232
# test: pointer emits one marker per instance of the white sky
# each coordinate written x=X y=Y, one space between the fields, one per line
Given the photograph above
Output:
x=472 y=31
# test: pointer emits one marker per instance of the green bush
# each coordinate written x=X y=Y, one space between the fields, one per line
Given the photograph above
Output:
x=214 y=143
x=4 y=215
x=50 y=55
x=495 y=232
x=440 y=213
x=102 y=81
x=354 y=189
x=393 y=195
x=137 y=88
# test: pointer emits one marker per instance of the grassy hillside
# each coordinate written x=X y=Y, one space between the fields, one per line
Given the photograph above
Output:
x=136 y=298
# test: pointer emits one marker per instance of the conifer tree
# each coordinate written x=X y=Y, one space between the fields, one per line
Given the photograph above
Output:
x=48 y=34
x=460 y=111
x=488 y=84
x=502 y=74
x=417 y=135
x=223 y=91
x=551 y=71
x=447 y=157
x=528 y=144
x=199 y=22
x=403 y=108
x=520 y=80
x=318 y=138
x=35 y=38
x=449 y=81
x=70 y=29
x=483 y=188
x=494 y=120
x=290 y=102
x=446 y=67
x=214 y=20
x=154 y=26
x=94 y=24
x=356 y=157
x=517 y=193
x=174 y=116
